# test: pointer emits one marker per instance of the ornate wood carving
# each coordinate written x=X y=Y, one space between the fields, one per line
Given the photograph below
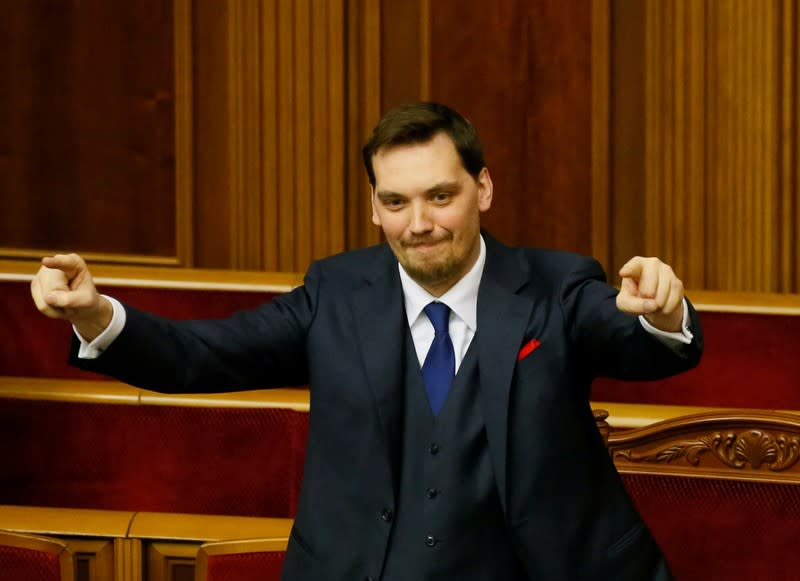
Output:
x=748 y=449
x=602 y=425
x=742 y=444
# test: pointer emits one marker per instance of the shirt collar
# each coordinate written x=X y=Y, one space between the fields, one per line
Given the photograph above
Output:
x=462 y=297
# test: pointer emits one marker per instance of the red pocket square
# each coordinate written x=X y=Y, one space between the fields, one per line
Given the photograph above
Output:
x=529 y=348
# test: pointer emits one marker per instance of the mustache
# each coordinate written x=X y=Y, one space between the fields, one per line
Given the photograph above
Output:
x=417 y=241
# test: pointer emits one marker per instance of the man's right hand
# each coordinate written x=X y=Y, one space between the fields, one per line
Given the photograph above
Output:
x=63 y=289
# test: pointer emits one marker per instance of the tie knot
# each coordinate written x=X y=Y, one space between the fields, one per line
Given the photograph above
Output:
x=439 y=314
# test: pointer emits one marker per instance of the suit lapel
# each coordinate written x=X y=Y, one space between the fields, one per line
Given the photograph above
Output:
x=379 y=314
x=503 y=318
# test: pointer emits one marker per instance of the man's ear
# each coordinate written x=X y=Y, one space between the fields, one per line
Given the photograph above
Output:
x=485 y=190
x=375 y=218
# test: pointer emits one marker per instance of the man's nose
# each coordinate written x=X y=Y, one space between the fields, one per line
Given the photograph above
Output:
x=420 y=219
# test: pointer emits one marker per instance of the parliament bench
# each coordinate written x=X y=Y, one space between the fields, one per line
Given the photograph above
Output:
x=718 y=488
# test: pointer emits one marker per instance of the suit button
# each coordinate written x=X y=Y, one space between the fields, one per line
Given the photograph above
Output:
x=430 y=541
x=370 y=578
x=433 y=449
x=431 y=493
x=387 y=514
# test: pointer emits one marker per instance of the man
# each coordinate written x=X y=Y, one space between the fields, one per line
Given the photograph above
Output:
x=450 y=433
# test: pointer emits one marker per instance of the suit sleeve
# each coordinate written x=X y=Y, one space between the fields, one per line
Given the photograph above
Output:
x=259 y=348
x=613 y=343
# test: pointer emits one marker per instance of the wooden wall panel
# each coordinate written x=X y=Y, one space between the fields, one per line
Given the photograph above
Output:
x=275 y=154
x=704 y=140
x=363 y=111
x=94 y=559
x=520 y=70
x=674 y=135
x=87 y=139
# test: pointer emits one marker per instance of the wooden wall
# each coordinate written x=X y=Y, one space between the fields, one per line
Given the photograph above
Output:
x=87 y=137
x=520 y=71
x=228 y=134
x=196 y=132
x=705 y=121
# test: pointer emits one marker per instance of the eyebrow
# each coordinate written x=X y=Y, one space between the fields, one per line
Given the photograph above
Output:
x=451 y=185
x=441 y=186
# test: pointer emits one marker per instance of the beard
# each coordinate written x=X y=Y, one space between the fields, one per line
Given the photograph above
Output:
x=427 y=274
x=430 y=270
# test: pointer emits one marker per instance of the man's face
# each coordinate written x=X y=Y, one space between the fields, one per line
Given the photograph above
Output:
x=429 y=208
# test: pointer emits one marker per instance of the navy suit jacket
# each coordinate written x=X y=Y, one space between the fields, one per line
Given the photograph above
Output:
x=342 y=333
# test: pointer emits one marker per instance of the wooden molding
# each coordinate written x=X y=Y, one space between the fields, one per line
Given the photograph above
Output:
x=157 y=526
x=67 y=522
x=97 y=554
x=168 y=278
x=741 y=444
x=244 y=132
x=601 y=59
x=625 y=416
x=164 y=558
x=748 y=303
x=134 y=259
x=194 y=527
x=184 y=131
x=112 y=392
x=425 y=50
x=128 y=560
x=363 y=75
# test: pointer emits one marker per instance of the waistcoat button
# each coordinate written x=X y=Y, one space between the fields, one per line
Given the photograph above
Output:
x=433 y=449
x=431 y=493
x=387 y=514
x=430 y=541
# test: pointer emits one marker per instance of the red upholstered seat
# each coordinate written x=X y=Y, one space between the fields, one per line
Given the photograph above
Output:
x=728 y=530
x=198 y=460
x=29 y=558
x=250 y=560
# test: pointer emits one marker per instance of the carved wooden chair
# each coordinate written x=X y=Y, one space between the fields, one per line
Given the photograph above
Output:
x=31 y=558
x=245 y=560
x=719 y=490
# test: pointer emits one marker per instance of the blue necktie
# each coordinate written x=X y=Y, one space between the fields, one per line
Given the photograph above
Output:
x=440 y=362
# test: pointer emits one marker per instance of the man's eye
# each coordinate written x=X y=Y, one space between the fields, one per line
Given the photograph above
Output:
x=442 y=197
x=393 y=203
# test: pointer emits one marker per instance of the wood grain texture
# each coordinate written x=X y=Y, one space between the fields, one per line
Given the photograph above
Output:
x=520 y=71
x=88 y=138
x=601 y=97
x=363 y=73
x=277 y=148
x=719 y=133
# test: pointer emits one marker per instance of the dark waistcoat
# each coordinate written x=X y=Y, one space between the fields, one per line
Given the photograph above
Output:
x=449 y=522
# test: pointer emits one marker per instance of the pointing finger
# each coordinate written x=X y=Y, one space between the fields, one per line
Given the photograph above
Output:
x=632 y=268
x=69 y=264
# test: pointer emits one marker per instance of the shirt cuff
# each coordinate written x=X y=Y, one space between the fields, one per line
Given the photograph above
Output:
x=93 y=349
x=684 y=336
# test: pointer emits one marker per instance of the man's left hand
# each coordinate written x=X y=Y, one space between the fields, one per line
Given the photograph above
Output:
x=650 y=288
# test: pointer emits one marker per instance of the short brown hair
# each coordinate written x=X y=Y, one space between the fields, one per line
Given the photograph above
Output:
x=419 y=123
